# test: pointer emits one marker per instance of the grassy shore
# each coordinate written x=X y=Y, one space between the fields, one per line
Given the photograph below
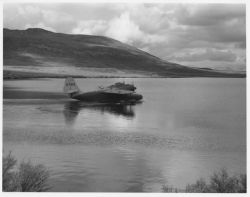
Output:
x=18 y=75
x=24 y=177
x=219 y=182
x=33 y=178
x=10 y=75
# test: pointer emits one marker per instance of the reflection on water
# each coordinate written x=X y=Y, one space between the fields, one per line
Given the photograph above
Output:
x=73 y=108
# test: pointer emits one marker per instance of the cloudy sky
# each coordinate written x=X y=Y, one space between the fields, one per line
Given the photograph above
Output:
x=200 y=35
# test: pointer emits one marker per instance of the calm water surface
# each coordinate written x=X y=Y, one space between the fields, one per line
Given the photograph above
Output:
x=185 y=129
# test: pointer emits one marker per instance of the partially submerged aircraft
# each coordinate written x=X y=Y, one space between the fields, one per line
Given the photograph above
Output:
x=121 y=93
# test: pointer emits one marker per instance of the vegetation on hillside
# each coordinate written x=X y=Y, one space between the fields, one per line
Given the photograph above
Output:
x=37 y=47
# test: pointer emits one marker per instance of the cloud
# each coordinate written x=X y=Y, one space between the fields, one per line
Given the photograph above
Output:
x=22 y=16
x=91 y=27
x=150 y=17
x=208 y=54
x=28 y=10
x=208 y=14
x=229 y=32
x=126 y=30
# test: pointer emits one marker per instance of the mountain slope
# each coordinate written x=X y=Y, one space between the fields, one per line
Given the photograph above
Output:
x=37 y=47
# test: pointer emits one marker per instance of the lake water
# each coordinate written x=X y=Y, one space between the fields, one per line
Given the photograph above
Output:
x=184 y=129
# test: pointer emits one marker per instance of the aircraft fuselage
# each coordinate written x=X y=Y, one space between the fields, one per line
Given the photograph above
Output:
x=102 y=97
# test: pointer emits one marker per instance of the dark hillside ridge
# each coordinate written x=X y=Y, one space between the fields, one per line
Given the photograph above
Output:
x=90 y=51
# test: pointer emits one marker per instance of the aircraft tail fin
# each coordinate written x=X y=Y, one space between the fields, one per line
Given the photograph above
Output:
x=70 y=86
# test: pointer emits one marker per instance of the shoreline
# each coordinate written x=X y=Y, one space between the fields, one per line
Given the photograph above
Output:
x=21 y=75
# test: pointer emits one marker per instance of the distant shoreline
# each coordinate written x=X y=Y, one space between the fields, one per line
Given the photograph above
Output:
x=19 y=75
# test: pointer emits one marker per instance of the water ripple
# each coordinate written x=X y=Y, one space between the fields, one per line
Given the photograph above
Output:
x=106 y=138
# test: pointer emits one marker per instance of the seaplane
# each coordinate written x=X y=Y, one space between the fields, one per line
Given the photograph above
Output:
x=118 y=93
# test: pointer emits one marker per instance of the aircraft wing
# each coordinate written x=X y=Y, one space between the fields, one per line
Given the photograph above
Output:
x=116 y=91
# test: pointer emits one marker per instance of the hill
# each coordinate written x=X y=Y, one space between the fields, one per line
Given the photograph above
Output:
x=34 y=49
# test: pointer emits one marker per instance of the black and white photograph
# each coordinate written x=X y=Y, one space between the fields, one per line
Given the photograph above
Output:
x=123 y=97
